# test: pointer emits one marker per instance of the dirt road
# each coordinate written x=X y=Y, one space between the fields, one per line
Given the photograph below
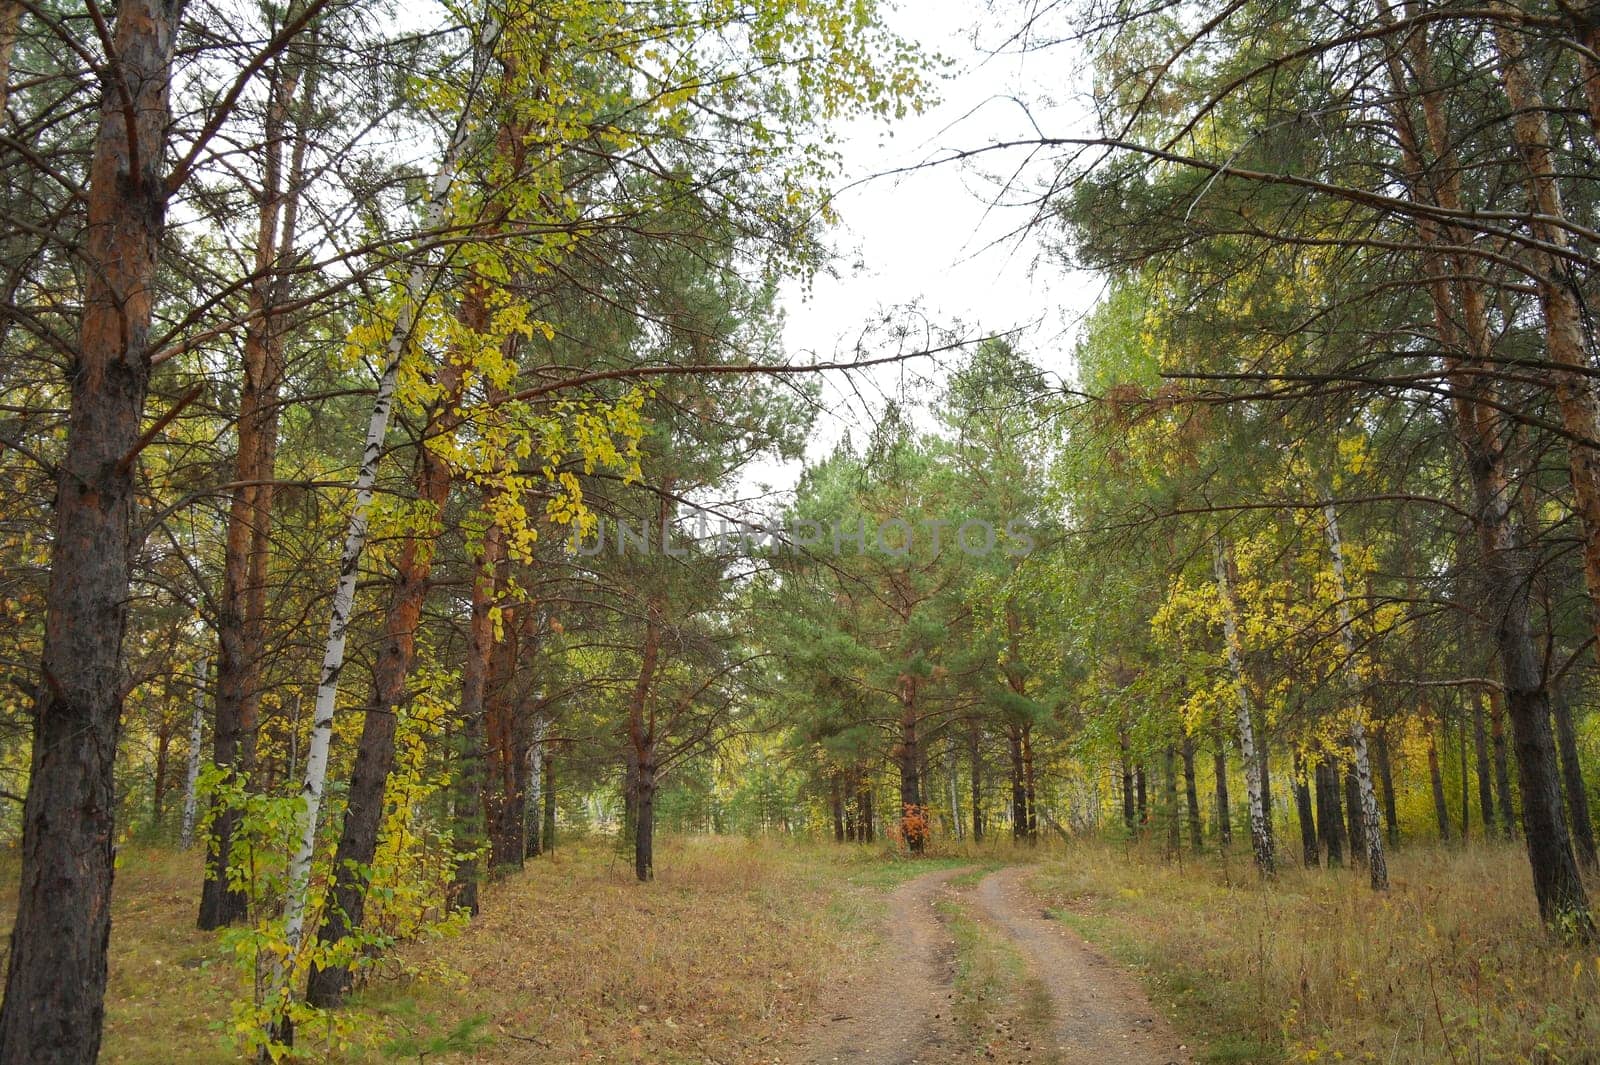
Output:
x=902 y=1016
x=1101 y=1015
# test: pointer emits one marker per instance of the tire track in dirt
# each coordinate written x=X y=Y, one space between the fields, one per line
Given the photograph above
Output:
x=1102 y=1016
x=901 y=1015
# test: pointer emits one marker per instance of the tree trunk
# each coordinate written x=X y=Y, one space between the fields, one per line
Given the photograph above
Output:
x=1019 y=787
x=1309 y=852
x=191 y=777
x=1502 y=763
x=642 y=738
x=10 y=28
x=908 y=755
x=1029 y=791
x=975 y=753
x=1169 y=799
x=468 y=787
x=1360 y=851
x=547 y=838
x=1330 y=819
x=1466 y=810
x=56 y=973
x=1141 y=797
x=1391 y=817
x=1260 y=827
x=1572 y=776
x=1441 y=812
x=956 y=823
x=1129 y=815
x=533 y=789
x=1485 y=782
x=1197 y=838
x=1560 y=298
x=1458 y=297
x=1364 y=807
x=1219 y=768
x=163 y=753
x=241 y=608
x=836 y=805
x=345 y=909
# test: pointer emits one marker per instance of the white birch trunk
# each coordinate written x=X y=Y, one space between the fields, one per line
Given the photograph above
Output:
x=1260 y=828
x=418 y=284
x=1358 y=731
x=533 y=793
x=191 y=780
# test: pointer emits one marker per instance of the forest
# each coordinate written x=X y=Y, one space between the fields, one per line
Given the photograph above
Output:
x=446 y=615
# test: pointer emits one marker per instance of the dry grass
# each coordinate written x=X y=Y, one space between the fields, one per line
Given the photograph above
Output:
x=570 y=961
x=717 y=960
x=1450 y=966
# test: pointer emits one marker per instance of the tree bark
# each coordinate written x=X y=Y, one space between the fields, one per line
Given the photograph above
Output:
x=1458 y=297
x=1309 y=852
x=547 y=838
x=1441 y=812
x=1502 y=763
x=642 y=740
x=56 y=973
x=1169 y=799
x=1260 y=827
x=345 y=909
x=1019 y=788
x=241 y=608
x=191 y=777
x=1572 y=777
x=1197 y=837
x=1485 y=780
x=908 y=756
x=1366 y=802
x=1330 y=819
x=975 y=754
x=533 y=793
x=1219 y=767
x=1391 y=816
x=1560 y=297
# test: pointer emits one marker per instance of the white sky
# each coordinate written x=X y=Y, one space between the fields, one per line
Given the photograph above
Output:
x=931 y=240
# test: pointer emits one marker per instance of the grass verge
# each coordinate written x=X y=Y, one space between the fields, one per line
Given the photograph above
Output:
x=1451 y=966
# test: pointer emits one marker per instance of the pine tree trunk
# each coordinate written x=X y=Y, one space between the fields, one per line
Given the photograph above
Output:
x=957 y=825
x=241 y=607
x=1260 y=827
x=1141 y=797
x=1458 y=297
x=1029 y=788
x=469 y=784
x=56 y=972
x=1129 y=815
x=1560 y=297
x=1330 y=820
x=1309 y=852
x=1019 y=788
x=1572 y=777
x=836 y=805
x=908 y=756
x=10 y=28
x=1197 y=838
x=1391 y=816
x=1360 y=851
x=1169 y=799
x=641 y=739
x=975 y=753
x=1502 y=764
x=1480 y=742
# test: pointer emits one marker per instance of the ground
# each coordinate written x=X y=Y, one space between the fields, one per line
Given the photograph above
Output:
x=804 y=954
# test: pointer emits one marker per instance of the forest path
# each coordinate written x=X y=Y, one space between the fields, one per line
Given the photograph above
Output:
x=1101 y=1015
x=901 y=1015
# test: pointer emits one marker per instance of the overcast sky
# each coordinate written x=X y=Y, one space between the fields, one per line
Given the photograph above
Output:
x=931 y=246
